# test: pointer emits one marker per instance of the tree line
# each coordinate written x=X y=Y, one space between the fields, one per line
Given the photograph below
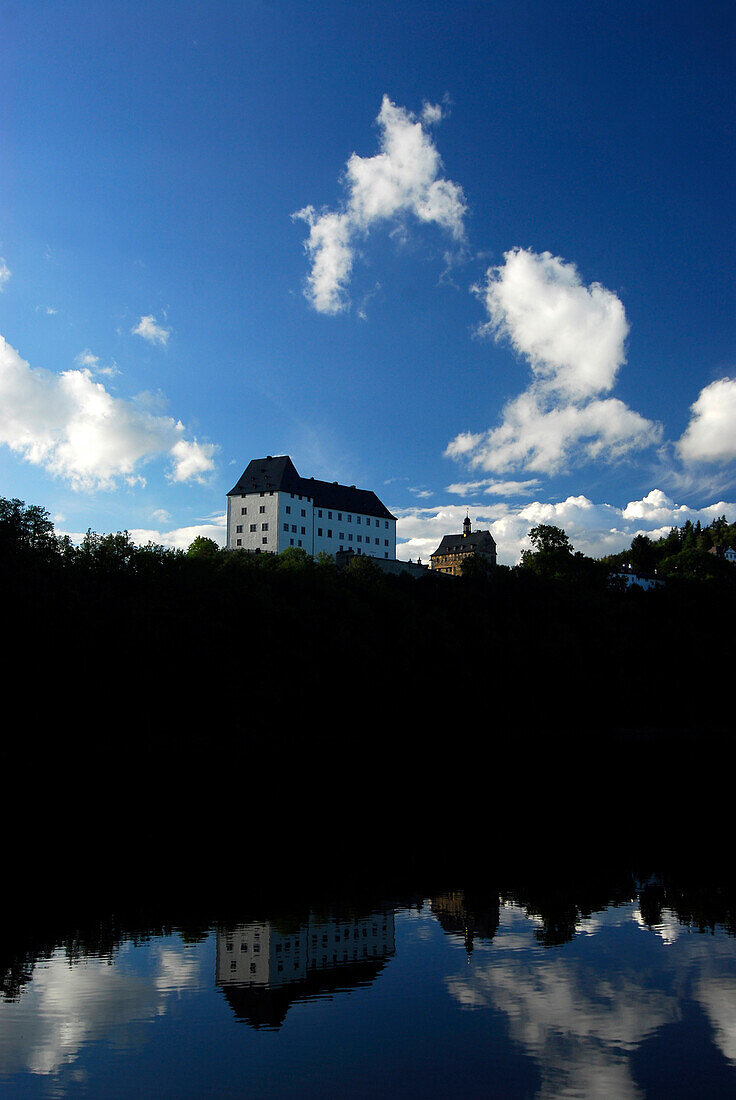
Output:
x=549 y=647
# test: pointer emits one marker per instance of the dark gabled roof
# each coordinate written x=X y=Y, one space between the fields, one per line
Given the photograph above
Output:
x=461 y=544
x=268 y=475
x=279 y=475
x=346 y=498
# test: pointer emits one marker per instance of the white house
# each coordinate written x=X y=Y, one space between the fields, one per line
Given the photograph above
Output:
x=640 y=580
x=271 y=508
x=726 y=553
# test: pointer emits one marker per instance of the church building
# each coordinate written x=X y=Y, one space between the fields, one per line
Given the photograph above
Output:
x=454 y=550
x=271 y=508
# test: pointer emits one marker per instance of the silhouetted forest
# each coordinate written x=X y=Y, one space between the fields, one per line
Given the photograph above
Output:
x=150 y=670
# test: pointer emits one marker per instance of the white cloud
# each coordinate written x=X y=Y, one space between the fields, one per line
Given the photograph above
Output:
x=594 y=529
x=432 y=113
x=489 y=487
x=330 y=249
x=150 y=330
x=711 y=434
x=404 y=178
x=191 y=460
x=180 y=538
x=573 y=338
x=4 y=273
x=541 y=435
x=69 y=424
x=572 y=335
x=91 y=362
x=87 y=359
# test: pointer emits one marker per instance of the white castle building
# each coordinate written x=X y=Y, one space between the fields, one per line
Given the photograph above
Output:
x=272 y=507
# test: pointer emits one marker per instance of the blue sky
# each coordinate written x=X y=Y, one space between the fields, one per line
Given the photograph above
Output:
x=470 y=255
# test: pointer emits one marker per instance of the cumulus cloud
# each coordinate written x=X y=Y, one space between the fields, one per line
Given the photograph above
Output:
x=179 y=538
x=150 y=330
x=711 y=434
x=573 y=337
x=191 y=460
x=594 y=529
x=541 y=435
x=403 y=179
x=69 y=424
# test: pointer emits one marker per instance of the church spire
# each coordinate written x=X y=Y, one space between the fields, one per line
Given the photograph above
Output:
x=466 y=526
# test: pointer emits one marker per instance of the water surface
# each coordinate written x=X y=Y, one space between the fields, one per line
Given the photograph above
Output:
x=622 y=986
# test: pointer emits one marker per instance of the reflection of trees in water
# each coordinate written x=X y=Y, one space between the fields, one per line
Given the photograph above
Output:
x=702 y=898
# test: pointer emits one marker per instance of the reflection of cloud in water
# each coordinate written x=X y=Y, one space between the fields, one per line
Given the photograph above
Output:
x=580 y=1025
x=668 y=928
x=68 y=1005
x=717 y=995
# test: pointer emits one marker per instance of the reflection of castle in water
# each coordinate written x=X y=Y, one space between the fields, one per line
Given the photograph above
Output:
x=460 y=915
x=263 y=969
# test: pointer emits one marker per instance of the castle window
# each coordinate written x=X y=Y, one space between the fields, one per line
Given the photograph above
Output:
x=264 y=539
x=244 y=511
x=350 y=519
x=239 y=528
x=288 y=510
x=303 y=532
x=357 y=519
x=319 y=532
x=350 y=537
x=286 y=528
x=319 y=513
x=238 y=542
x=304 y=511
x=329 y=533
x=360 y=538
x=329 y=515
x=262 y=507
x=342 y=534
x=339 y=516
x=254 y=526
x=264 y=527
x=293 y=528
